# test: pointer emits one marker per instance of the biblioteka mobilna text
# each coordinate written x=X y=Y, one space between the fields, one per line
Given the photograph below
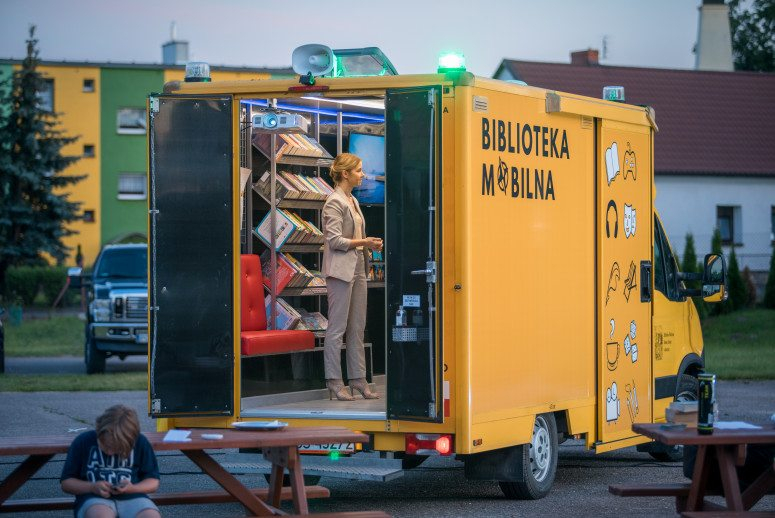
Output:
x=521 y=139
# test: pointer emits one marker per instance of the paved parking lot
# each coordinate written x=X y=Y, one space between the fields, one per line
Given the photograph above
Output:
x=436 y=488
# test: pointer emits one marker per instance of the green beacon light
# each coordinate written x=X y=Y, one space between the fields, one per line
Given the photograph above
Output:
x=334 y=455
x=451 y=61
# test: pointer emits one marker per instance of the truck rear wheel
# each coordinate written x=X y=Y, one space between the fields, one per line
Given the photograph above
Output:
x=94 y=358
x=539 y=462
x=687 y=390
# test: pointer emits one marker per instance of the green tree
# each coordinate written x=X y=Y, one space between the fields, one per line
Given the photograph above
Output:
x=34 y=211
x=715 y=248
x=769 y=289
x=753 y=34
x=689 y=265
x=738 y=295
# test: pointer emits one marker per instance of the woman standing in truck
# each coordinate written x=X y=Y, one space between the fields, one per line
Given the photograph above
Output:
x=345 y=263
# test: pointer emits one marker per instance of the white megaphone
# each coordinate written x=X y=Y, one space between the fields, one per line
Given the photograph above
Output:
x=312 y=60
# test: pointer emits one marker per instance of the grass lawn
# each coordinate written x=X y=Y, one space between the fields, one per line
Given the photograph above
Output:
x=741 y=345
x=55 y=336
x=73 y=382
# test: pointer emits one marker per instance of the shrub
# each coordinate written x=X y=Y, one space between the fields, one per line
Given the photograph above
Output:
x=22 y=282
x=689 y=265
x=750 y=288
x=52 y=280
x=737 y=292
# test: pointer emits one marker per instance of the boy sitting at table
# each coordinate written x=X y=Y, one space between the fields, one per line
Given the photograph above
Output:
x=111 y=469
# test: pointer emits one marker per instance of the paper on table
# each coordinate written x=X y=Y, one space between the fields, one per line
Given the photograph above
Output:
x=177 y=436
x=734 y=425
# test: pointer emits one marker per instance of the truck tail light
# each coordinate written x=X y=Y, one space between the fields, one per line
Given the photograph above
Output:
x=429 y=444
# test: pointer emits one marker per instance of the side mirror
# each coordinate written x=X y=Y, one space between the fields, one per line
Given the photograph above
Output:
x=74 y=275
x=714 y=279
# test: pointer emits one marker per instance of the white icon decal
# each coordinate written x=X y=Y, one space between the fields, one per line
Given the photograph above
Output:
x=613 y=326
x=612 y=162
x=633 y=330
x=612 y=403
x=630 y=348
x=632 y=401
x=630 y=167
x=629 y=220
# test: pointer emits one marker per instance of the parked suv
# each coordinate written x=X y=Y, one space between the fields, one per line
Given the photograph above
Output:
x=117 y=320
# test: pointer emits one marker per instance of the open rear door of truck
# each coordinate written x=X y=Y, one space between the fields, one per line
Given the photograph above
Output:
x=625 y=216
x=191 y=229
x=413 y=264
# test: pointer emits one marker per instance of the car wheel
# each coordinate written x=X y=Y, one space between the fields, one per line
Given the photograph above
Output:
x=688 y=387
x=94 y=358
x=538 y=464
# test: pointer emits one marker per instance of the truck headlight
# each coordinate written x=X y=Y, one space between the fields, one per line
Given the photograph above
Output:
x=100 y=310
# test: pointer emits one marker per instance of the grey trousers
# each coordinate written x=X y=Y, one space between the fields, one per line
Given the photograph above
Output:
x=346 y=318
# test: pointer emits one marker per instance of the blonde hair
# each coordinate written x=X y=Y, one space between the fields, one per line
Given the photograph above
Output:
x=119 y=427
x=343 y=162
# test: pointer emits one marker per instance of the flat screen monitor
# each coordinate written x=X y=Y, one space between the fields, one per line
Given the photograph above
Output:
x=371 y=149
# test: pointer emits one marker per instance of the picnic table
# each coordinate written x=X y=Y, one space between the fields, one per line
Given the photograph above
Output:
x=728 y=446
x=280 y=447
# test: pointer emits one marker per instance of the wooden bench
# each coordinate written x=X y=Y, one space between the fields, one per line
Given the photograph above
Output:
x=679 y=490
x=347 y=514
x=198 y=497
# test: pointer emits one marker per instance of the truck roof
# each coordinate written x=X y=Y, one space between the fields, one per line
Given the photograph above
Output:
x=376 y=85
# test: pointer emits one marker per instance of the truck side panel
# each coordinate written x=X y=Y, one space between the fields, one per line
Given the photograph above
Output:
x=529 y=264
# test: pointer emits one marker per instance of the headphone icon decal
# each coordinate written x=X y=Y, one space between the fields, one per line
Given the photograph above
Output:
x=611 y=204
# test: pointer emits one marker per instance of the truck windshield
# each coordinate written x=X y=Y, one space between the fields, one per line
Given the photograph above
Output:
x=128 y=263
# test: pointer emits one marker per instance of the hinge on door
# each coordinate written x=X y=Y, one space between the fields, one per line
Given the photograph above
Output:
x=154 y=104
x=432 y=97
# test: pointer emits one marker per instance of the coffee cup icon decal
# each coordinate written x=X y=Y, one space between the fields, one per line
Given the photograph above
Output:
x=612 y=355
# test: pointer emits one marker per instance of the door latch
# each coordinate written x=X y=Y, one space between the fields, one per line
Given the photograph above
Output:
x=429 y=272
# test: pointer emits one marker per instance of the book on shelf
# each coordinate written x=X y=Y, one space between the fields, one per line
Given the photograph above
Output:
x=289 y=145
x=294 y=186
x=290 y=229
x=290 y=272
x=285 y=228
x=287 y=316
x=312 y=321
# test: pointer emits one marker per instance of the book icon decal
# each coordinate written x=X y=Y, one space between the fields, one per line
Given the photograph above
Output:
x=612 y=162
x=613 y=281
x=629 y=283
x=629 y=221
x=630 y=166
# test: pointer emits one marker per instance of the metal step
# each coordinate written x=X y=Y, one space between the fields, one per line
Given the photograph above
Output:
x=361 y=466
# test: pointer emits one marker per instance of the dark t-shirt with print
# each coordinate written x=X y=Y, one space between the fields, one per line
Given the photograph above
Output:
x=85 y=461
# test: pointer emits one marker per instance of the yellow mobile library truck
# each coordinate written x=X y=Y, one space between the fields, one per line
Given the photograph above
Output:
x=527 y=292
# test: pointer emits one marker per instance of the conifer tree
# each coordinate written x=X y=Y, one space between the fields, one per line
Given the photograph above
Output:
x=769 y=290
x=34 y=212
x=715 y=248
x=689 y=265
x=737 y=292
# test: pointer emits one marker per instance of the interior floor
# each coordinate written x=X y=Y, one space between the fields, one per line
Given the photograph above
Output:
x=316 y=404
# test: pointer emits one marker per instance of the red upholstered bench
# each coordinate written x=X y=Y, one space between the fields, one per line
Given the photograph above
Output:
x=254 y=337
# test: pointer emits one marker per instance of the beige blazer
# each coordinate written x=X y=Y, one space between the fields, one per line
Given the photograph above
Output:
x=338 y=229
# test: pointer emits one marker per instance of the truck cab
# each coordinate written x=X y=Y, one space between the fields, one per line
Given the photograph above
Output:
x=117 y=318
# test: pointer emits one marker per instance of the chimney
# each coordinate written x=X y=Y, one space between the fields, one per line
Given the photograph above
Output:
x=714 y=43
x=587 y=57
x=174 y=52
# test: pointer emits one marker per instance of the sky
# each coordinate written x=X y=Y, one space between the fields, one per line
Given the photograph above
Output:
x=412 y=33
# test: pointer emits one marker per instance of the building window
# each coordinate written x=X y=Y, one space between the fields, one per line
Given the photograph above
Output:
x=88 y=150
x=131 y=121
x=728 y=221
x=88 y=85
x=88 y=216
x=131 y=186
x=46 y=95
